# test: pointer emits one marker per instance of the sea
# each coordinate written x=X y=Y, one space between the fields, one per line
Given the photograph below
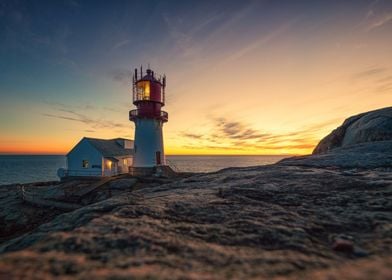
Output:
x=38 y=168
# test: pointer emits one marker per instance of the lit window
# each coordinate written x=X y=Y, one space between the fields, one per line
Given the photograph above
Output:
x=143 y=90
x=125 y=162
x=85 y=163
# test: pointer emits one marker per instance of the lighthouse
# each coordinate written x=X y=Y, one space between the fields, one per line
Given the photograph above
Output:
x=149 y=98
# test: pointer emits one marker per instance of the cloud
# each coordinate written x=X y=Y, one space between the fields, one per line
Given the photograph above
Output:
x=73 y=4
x=379 y=14
x=192 y=135
x=284 y=146
x=380 y=78
x=185 y=38
x=259 y=42
x=65 y=107
x=385 y=79
x=238 y=136
x=383 y=84
x=371 y=72
x=121 y=44
x=236 y=130
x=387 y=87
x=112 y=109
x=93 y=123
x=217 y=147
x=378 y=21
x=123 y=76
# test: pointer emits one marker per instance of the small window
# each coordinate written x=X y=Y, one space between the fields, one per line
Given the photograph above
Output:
x=143 y=90
x=85 y=163
x=125 y=162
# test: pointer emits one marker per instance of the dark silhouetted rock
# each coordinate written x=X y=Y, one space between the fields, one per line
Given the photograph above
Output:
x=363 y=141
x=366 y=127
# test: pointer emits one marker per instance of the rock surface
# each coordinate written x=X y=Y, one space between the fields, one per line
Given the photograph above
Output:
x=243 y=223
x=366 y=127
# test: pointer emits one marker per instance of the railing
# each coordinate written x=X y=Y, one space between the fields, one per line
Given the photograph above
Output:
x=162 y=115
x=172 y=165
x=40 y=200
x=78 y=172
x=70 y=172
x=138 y=96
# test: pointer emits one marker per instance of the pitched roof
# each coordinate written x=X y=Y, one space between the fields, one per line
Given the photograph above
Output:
x=110 y=147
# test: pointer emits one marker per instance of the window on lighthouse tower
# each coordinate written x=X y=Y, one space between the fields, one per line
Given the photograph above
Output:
x=143 y=90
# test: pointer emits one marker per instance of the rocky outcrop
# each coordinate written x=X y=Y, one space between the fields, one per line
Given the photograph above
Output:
x=363 y=128
x=362 y=141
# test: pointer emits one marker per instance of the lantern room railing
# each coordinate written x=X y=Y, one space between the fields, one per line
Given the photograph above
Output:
x=161 y=115
x=138 y=97
x=139 y=94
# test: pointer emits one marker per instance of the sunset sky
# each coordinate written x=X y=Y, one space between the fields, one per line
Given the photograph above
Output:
x=243 y=77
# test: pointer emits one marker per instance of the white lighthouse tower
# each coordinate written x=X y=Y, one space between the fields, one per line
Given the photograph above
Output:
x=149 y=98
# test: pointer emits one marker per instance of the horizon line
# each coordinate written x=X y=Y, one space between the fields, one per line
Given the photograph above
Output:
x=55 y=154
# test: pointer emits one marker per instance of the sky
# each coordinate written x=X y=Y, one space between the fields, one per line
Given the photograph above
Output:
x=243 y=77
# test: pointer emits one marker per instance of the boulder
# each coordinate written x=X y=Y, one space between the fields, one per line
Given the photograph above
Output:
x=363 y=128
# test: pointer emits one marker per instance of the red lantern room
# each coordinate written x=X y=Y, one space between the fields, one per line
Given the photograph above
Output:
x=148 y=96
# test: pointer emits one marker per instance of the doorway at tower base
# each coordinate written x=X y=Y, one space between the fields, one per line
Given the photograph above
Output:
x=158 y=171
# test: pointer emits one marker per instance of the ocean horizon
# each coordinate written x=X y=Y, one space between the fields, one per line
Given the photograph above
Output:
x=16 y=169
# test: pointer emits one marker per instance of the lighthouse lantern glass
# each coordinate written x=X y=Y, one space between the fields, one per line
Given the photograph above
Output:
x=143 y=90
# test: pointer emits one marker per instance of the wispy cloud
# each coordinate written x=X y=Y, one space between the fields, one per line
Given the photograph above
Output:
x=74 y=4
x=370 y=72
x=192 y=135
x=379 y=14
x=73 y=113
x=378 y=21
x=121 y=44
x=236 y=130
x=64 y=107
x=91 y=122
x=380 y=78
x=238 y=136
x=185 y=38
x=260 y=41
x=122 y=76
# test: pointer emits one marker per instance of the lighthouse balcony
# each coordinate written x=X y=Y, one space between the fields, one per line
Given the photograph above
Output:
x=161 y=115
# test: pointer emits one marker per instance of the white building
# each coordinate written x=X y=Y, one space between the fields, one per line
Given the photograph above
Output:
x=99 y=157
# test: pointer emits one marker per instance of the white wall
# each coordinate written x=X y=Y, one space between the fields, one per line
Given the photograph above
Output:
x=148 y=140
x=84 y=151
